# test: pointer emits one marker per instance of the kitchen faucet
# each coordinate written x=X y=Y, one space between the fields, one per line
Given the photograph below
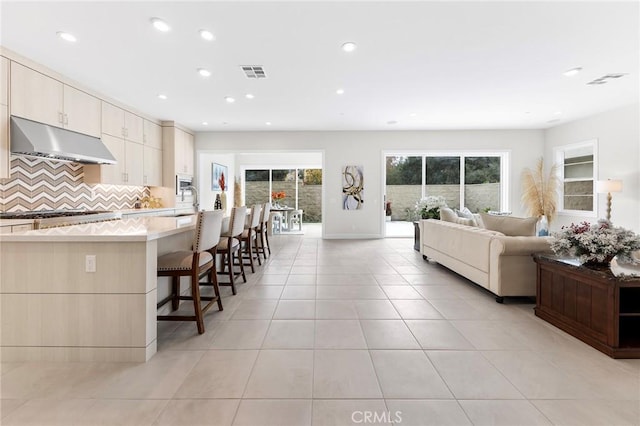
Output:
x=196 y=202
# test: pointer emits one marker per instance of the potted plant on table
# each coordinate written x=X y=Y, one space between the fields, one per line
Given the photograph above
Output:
x=277 y=197
x=595 y=245
x=429 y=207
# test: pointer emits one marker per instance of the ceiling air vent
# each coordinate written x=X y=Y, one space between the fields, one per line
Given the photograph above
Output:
x=253 y=71
x=605 y=78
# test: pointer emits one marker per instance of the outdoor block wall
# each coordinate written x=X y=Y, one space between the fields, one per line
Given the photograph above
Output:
x=309 y=197
x=477 y=197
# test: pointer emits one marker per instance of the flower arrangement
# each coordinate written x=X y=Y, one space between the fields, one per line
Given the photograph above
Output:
x=278 y=196
x=222 y=183
x=597 y=243
x=429 y=207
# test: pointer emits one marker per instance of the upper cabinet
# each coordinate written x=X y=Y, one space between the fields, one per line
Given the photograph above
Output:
x=82 y=112
x=35 y=96
x=178 y=154
x=120 y=123
x=4 y=81
x=152 y=134
x=4 y=118
x=38 y=97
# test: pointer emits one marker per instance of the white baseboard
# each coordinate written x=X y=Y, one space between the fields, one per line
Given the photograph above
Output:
x=352 y=236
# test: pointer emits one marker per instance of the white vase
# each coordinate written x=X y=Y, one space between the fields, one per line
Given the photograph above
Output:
x=542 y=227
x=223 y=200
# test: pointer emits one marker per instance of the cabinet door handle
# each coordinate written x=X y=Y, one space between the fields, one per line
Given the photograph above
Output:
x=144 y=179
x=66 y=119
x=124 y=177
x=60 y=120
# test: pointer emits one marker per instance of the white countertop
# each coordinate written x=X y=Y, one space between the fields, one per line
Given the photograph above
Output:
x=137 y=229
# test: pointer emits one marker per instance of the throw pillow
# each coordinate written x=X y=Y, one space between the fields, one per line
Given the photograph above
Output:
x=447 y=214
x=511 y=226
x=479 y=222
x=465 y=221
x=466 y=214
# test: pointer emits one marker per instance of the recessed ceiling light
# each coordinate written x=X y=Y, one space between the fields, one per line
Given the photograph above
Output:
x=207 y=35
x=229 y=99
x=162 y=96
x=392 y=122
x=67 y=36
x=160 y=25
x=268 y=123
x=413 y=114
x=349 y=46
x=249 y=96
x=204 y=72
x=557 y=113
x=204 y=123
x=572 y=71
x=340 y=91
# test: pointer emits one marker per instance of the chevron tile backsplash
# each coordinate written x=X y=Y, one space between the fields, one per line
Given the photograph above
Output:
x=37 y=184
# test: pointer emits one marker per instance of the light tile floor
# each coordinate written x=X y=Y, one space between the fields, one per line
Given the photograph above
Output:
x=339 y=333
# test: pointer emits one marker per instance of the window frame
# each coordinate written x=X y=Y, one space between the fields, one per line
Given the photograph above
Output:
x=559 y=154
x=504 y=169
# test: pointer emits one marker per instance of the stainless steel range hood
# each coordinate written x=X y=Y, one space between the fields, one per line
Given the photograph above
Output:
x=34 y=139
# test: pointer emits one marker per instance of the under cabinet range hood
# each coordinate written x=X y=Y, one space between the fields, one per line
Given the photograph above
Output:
x=34 y=139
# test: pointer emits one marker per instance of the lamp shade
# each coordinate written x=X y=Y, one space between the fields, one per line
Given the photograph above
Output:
x=609 y=185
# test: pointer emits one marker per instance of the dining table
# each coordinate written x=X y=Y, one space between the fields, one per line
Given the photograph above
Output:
x=284 y=210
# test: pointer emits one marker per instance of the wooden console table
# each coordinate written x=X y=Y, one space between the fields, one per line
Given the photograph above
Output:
x=591 y=305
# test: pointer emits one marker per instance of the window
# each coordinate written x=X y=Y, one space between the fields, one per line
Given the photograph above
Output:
x=473 y=180
x=302 y=189
x=577 y=174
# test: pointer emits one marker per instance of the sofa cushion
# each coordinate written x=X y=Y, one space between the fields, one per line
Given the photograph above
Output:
x=511 y=226
x=448 y=215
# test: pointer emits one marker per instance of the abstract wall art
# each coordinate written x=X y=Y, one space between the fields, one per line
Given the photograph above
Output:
x=352 y=188
x=219 y=176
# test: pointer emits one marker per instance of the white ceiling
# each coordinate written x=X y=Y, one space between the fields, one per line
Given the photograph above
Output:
x=473 y=65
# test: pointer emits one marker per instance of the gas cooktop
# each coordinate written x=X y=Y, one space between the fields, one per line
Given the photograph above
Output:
x=47 y=214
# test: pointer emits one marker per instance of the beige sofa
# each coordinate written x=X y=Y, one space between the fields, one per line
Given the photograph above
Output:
x=499 y=263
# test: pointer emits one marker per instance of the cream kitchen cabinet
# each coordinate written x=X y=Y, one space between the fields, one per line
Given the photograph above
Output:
x=152 y=169
x=4 y=118
x=127 y=171
x=4 y=81
x=5 y=165
x=120 y=123
x=38 y=97
x=152 y=135
x=184 y=152
x=177 y=154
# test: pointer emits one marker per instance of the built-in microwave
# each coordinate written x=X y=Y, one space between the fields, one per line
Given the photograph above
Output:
x=184 y=183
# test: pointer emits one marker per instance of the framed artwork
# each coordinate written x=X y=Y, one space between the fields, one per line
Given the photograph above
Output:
x=219 y=176
x=352 y=188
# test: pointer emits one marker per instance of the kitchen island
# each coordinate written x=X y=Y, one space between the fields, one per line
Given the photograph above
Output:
x=86 y=292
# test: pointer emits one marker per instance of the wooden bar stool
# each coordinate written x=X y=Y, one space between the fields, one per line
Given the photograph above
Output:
x=229 y=247
x=263 y=241
x=195 y=263
x=250 y=237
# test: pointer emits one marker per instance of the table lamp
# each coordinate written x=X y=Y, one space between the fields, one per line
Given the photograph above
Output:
x=607 y=187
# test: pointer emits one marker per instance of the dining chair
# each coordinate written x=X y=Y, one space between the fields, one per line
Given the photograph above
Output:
x=263 y=241
x=295 y=217
x=229 y=248
x=194 y=263
x=249 y=237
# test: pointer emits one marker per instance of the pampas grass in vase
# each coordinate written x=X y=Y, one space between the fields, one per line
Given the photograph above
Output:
x=540 y=191
x=237 y=192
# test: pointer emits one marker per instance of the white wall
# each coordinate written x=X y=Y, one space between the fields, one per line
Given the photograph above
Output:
x=366 y=149
x=618 y=135
x=207 y=195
